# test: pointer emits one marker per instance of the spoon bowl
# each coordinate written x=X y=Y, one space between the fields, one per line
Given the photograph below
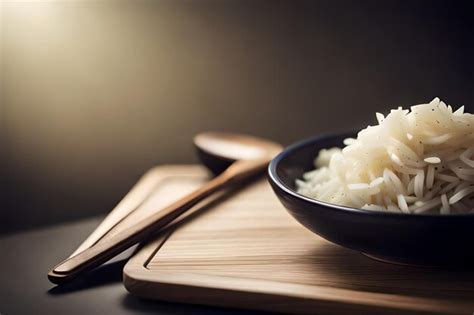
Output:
x=218 y=150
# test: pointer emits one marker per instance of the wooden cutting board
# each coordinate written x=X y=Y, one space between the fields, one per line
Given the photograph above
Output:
x=246 y=251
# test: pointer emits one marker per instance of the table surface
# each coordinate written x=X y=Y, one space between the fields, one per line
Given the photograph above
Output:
x=26 y=258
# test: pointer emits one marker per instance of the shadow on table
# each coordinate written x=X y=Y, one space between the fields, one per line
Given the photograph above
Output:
x=139 y=305
x=106 y=274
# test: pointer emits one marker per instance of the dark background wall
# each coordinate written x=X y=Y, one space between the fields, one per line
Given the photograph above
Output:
x=93 y=93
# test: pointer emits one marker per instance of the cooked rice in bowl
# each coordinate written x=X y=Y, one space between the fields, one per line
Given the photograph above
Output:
x=414 y=161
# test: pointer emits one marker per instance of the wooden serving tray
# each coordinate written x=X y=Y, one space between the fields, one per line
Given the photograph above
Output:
x=246 y=251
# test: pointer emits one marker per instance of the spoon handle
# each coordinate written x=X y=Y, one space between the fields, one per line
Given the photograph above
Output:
x=102 y=252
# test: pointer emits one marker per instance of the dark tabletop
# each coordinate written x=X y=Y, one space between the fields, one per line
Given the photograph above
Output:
x=27 y=257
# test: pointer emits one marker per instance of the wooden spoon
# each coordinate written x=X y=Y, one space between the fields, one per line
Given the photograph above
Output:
x=246 y=155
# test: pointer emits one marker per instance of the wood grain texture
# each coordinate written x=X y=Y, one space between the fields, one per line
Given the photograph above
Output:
x=247 y=252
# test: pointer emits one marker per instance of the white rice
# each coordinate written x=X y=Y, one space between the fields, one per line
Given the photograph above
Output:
x=413 y=161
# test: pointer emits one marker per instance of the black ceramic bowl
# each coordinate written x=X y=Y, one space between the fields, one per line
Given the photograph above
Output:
x=419 y=239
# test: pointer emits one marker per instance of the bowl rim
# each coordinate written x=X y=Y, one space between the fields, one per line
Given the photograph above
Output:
x=272 y=173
